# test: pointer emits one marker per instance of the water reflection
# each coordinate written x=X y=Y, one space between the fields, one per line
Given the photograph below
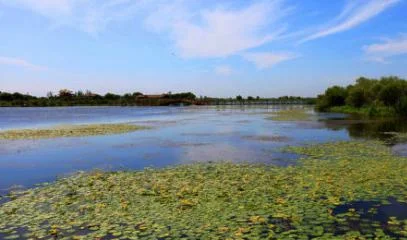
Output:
x=365 y=216
x=369 y=129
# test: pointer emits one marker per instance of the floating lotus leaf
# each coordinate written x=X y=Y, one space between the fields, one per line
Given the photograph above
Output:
x=223 y=200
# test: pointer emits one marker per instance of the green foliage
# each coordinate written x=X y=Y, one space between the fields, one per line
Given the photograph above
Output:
x=369 y=111
x=401 y=106
x=219 y=201
x=111 y=96
x=357 y=97
x=334 y=96
x=186 y=95
x=65 y=93
x=383 y=97
x=391 y=93
x=67 y=97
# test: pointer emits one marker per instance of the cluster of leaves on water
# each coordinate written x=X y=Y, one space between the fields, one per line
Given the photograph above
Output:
x=69 y=131
x=266 y=138
x=220 y=200
x=295 y=114
x=397 y=136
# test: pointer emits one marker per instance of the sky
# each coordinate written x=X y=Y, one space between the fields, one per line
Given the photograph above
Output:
x=217 y=48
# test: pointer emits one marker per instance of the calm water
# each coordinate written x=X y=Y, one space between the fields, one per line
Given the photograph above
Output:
x=178 y=136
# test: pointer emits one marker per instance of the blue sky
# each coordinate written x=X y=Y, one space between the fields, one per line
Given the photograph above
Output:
x=213 y=48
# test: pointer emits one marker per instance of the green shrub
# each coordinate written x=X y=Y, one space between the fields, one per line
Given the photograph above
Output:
x=401 y=107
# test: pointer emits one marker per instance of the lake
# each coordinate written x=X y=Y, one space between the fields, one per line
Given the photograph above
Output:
x=178 y=135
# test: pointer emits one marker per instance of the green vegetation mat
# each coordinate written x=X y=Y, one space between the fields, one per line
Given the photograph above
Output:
x=69 y=131
x=292 y=115
x=222 y=200
x=398 y=136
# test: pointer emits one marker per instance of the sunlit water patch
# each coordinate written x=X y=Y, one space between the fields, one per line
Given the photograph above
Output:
x=367 y=216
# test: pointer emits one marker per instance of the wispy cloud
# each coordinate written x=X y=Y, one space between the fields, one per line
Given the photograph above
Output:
x=99 y=16
x=224 y=70
x=91 y=16
x=21 y=63
x=222 y=31
x=264 y=60
x=380 y=52
x=48 y=8
x=354 y=14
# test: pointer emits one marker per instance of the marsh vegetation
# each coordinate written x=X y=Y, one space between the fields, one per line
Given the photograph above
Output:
x=69 y=131
x=346 y=184
x=255 y=201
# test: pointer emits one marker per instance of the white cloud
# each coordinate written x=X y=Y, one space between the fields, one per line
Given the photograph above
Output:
x=222 y=31
x=223 y=70
x=265 y=60
x=48 y=8
x=354 y=14
x=20 y=63
x=99 y=15
x=379 y=52
x=91 y=16
x=197 y=30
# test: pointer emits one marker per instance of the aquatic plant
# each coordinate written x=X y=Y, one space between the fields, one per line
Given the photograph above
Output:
x=266 y=138
x=69 y=131
x=296 y=114
x=397 y=136
x=221 y=200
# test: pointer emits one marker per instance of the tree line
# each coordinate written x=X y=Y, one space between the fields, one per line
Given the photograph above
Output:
x=374 y=97
x=67 y=97
x=239 y=99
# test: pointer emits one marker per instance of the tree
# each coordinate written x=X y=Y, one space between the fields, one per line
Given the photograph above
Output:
x=4 y=96
x=137 y=94
x=356 y=97
x=184 y=95
x=336 y=96
x=88 y=93
x=65 y=93
x=401 y=106
x=79 y=93
x=128 y=96
x=391 y=94
x=112 y=96
x=239 y=98
x=250 y=98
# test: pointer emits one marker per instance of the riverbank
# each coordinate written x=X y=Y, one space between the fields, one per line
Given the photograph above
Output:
x=382 y=112
x=223 y=200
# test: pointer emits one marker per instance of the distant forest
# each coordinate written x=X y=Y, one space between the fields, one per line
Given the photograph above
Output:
x=386 y=96
x=67 y=97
